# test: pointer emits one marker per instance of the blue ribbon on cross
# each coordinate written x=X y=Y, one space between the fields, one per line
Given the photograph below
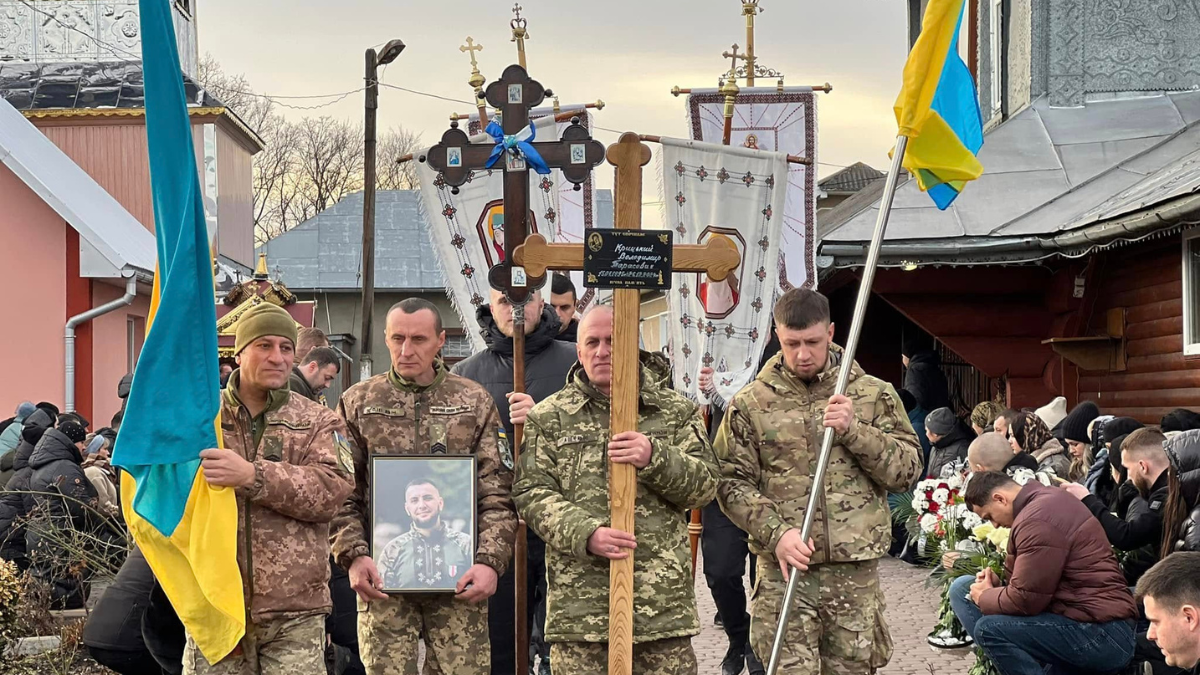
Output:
x=519 y=144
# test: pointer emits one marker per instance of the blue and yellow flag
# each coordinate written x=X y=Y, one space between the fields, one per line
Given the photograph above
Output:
x=186 y=528
x=938 y=108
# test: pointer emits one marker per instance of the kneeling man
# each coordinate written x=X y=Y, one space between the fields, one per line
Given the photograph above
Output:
x=562 y=492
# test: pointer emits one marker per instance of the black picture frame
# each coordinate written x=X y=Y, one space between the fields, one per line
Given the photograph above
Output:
x=412 y=559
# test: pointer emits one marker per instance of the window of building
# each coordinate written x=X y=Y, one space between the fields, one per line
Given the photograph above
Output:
x=184 y=6
x=1191 y=293
x=457 y=347
x=995 y=47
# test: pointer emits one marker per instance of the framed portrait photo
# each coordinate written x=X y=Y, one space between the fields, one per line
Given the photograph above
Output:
x=422 y=520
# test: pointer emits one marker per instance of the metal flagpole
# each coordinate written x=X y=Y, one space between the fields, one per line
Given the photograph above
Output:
x=860 y=310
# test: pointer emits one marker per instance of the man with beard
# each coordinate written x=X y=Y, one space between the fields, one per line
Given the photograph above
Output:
x=1171 y=594
x=313 y=374
x=564 y=301
x=429 y=554
x=547 y=360
x=1143 y=456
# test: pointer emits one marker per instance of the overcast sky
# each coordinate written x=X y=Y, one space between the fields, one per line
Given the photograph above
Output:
x=628 y=53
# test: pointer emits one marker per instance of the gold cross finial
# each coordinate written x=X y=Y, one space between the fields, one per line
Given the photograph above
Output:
x=519 y=34
x=471 y=48
x=733 y=56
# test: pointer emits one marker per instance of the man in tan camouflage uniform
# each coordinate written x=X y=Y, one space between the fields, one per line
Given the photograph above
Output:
x=419 y=408
x=290 y=465
x=562 y=492
x=768 y=447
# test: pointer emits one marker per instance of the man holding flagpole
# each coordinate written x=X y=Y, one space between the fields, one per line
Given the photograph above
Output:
x=765 y=445
x=290 y=464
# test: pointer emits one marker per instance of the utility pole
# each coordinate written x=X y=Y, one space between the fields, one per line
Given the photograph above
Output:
x=390 y=51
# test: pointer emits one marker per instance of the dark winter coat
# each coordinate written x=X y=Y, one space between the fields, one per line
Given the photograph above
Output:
x=63 y=500
x=949 y=448
x=1139 y=532
x=1059 y=561
x=115 y=623
x=15 y=501
x=570 y=333
x=925 y=380
x=547 y=361
x=1185 y=451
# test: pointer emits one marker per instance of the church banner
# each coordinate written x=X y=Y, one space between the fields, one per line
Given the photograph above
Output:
x=467 y=229
x=767 y=119
x=712 y=189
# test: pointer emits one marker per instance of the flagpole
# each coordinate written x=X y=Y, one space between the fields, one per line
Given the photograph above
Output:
x=860 y=310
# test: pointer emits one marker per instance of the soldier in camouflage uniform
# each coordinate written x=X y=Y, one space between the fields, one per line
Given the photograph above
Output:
x=768 y=447
x=290 y=465
x=430 y=554
x=562 y=492
x=419 y=408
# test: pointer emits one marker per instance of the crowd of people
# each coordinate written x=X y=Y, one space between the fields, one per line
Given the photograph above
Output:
x=1097 y=576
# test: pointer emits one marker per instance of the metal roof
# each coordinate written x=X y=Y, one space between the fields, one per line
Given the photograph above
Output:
x=114 y=84
x=1047 y=171
x=107 y=229
x=850 y=179
x=325 y=251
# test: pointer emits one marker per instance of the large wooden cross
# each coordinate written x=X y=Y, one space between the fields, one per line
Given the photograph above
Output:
x=718 y=258
x=514 y=94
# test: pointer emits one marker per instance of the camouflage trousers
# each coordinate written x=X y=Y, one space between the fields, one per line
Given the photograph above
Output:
x=455 y=633
x=672 y=656
x=272 y=647
x=836 y=625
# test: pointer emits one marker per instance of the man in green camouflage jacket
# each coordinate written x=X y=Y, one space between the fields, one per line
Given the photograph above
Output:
x=420 y=408
x=562 y=492
x=768 y=447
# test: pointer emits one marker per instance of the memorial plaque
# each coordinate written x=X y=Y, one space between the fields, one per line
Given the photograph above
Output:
x=639 y=259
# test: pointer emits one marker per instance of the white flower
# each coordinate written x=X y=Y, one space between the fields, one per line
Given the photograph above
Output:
x=955 y=482
x=1022 y=476
x=928 y=522
x=971 y=520
x=941 y=496
x=918 y=504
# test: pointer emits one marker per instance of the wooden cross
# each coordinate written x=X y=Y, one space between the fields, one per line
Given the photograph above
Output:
x=718 y=258
x=456 y=158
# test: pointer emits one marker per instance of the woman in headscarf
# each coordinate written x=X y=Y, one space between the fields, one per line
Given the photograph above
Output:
x=1028 y=433
x=983 y=417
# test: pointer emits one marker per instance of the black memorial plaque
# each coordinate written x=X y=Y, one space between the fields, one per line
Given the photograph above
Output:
x=627 y=258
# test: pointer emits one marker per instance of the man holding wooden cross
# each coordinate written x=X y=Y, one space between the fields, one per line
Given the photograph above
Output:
x=562 y=492
x=767 y=445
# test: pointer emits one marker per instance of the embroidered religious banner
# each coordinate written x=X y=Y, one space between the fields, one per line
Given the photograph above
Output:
x=713 y=189
x=467 y=229
x=766 y=119
x=576 y=208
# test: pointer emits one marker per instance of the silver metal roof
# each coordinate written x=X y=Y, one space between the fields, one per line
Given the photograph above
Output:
x=1047 y=171
x=325 y=251
x=112 y=241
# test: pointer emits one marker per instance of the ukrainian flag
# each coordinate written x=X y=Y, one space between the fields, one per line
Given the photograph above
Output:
x=938 y=108
x=186 y=528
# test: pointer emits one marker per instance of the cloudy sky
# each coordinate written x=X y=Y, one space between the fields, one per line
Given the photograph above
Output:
x=628 y=53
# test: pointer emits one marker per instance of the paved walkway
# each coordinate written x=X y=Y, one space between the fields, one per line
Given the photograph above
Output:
x=910 y=615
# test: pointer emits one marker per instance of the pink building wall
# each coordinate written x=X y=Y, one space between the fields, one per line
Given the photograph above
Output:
x=110 y=349
x=33 y=306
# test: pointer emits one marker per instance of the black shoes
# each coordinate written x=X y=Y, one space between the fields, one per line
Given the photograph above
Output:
x=734 y=661
x=753 y=665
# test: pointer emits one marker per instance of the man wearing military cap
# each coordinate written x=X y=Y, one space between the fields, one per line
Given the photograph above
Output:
x=289 y=463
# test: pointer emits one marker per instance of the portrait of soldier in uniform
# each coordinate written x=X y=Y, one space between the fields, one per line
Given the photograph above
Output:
x=430 y=546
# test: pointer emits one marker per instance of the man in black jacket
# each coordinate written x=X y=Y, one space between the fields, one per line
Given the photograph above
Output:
x=16 y=500
x=547 y=360
x=113 y=632
x=1145 y=459
x=950 y=439
x=923 y=376
x=564 y=302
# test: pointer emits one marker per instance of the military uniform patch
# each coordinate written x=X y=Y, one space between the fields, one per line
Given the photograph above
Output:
x=506 y=455
x=437 y=438
x=345 y=452
x=273 y=449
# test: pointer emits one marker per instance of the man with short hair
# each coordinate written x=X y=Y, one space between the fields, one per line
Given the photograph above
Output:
x=1140 y=533
x=420 y=408
x=1170 y=593
x=547 y=360
x=308 y=339
x=949 y=438
x=562 y=491
x=1063 y=603
x=288 y=461
x=405 y=563
x=564 y=302
x=315 y=372
x=768 y=443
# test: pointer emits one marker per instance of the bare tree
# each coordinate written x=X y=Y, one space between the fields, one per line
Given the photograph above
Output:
x=258 y=112
x=390 y=174
x=329 y=164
